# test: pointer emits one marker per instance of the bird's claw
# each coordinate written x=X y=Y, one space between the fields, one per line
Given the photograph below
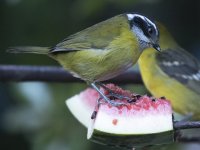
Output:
x=109 y=101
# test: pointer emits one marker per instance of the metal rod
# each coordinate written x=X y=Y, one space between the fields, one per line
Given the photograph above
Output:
x=54 y=74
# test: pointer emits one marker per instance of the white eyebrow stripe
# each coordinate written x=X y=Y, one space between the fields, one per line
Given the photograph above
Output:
x=131 y=16
x=152 y=24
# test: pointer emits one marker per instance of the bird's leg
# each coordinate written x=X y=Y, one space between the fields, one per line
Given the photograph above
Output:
x=105 y=98
x=112 y=93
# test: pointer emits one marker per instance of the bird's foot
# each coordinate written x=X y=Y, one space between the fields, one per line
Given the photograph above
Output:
x=111 y=99
x=105 y=100
x=113 y=95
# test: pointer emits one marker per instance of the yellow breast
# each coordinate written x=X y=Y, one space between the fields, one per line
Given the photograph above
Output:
x=159 y=84
x=99 y=65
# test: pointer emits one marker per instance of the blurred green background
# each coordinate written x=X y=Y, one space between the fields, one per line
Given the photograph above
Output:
x=33 y=116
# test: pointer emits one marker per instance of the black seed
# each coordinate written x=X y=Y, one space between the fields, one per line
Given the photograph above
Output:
x=153 y=99
x=112 y=97
x=94 y=114
x=138 y=96
x=162 y=97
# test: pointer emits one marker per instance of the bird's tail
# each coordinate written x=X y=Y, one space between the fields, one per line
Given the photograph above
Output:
x=29 y=49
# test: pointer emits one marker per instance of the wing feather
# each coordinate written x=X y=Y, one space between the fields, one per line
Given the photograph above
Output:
x=182 y=66
x=96 y=37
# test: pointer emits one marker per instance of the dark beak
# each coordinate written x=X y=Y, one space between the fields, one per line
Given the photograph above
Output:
x=157 y=47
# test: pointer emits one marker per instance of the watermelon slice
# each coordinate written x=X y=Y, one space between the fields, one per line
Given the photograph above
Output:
x=141 y=122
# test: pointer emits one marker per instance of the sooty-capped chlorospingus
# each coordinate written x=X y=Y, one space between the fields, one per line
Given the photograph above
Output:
x=104 y=50
x=173 y=73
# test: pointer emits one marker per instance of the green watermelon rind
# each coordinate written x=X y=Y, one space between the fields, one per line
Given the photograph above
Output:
x=130 y=141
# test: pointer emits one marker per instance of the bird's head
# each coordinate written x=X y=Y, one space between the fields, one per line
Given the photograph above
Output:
x=145 y=31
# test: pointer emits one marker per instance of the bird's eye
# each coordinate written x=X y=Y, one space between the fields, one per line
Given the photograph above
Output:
x=150 y=30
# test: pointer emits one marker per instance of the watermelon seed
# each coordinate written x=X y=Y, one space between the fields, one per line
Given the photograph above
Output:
x=138 y=96
x=162 y=97
x=112 y=97
x=94 y=114
x=153 y=99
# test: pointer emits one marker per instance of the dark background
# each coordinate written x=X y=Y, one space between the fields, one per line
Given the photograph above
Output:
x=34 y=115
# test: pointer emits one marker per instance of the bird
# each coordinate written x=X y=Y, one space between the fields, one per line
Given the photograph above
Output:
x=173 y=73
x=102 y=51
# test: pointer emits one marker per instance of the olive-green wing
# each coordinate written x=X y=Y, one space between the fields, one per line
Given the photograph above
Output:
x=182 y=66
x=96 y=37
